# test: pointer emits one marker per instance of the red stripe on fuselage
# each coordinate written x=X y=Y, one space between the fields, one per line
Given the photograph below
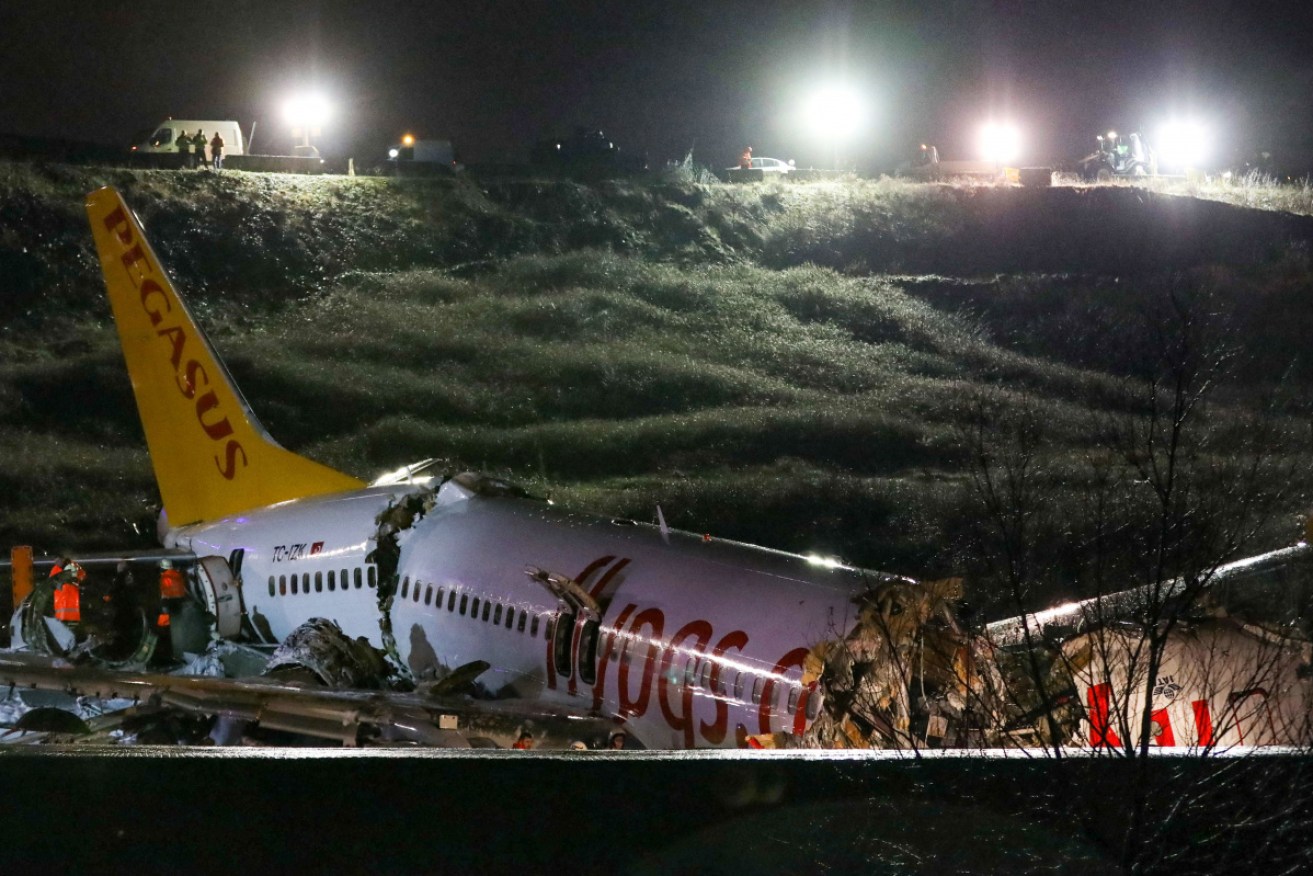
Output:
x=606 y=579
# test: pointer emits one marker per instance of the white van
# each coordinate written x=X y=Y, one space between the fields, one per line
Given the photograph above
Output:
x=165 y=135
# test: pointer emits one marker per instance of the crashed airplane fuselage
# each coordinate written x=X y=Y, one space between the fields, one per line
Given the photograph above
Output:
x=687 y=640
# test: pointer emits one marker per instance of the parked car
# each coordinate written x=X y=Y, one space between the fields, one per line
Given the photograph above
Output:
x=769 y=165
x=773 y=165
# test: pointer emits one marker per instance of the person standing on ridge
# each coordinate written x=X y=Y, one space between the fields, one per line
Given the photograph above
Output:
x=198 y=141
x=216 y=151
x=184 y=149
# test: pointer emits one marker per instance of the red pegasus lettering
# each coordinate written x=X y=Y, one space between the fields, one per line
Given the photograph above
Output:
x=700 y=632
x=1163 y=736
x=216 y=430
x=1203 y=721
x=656 y=621
x=608 y=649
x=715 y=731
x=131 y=259
x=116 y=222
x=789 y=661
x=149 y=288
x=188 y=383
x=1101 y=733
x=177 y=340
x=229 y=467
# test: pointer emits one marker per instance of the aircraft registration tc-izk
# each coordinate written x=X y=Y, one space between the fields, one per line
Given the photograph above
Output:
x=684 y=640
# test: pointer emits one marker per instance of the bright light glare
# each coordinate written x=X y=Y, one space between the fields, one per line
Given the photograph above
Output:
x=836 y=113
x=1000 y=142
x=826 y=562
x=408 y=140
x=307 y=110
x=1182 y=144
x=393 y=153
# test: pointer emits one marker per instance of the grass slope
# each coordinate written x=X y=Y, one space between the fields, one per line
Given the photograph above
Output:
x=796 y=366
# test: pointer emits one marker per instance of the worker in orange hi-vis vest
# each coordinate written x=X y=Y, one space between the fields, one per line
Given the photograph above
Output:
x=173 y=587
x=67 y=576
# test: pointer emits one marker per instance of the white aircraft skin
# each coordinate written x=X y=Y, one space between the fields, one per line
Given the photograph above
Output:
x=695 y=640
x=687 y=641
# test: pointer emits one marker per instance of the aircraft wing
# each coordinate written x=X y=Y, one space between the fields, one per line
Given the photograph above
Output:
x=1076 y=617
x=346 y=717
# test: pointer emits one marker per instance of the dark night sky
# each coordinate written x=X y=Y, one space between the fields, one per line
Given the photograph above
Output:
x=659 y=77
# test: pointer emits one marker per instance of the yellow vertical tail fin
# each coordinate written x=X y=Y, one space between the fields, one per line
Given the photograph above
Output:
x=211 y=456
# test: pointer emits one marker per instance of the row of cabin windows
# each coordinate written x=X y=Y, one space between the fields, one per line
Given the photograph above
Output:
x=698 y=672
x=471 y=606
x=333 y=580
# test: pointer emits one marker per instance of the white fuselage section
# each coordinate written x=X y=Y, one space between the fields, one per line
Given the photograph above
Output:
x=690 y=642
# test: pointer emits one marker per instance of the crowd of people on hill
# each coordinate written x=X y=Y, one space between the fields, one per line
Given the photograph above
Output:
x=192 y=148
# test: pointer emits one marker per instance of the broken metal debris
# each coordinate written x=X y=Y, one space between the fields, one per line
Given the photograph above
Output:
x=907 y=675
x=398 y=517
x=333 y=659
x=113 y=629
x=176 y=709
x=910 y=676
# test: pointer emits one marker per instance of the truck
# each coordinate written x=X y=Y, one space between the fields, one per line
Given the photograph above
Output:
x=414 y=157
x=423 y=151
x=927 y=167
x=163 y=137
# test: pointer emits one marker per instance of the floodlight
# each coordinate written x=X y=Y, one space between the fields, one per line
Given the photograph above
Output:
x=1182 y=144
x=306 y=113
x=1000 y=142
x=307 y=110
x=836 y=113
x=408 y=140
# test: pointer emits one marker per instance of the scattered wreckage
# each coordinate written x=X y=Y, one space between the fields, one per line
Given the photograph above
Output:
x=108 y=679
x=909 y=675
x=1110 y=673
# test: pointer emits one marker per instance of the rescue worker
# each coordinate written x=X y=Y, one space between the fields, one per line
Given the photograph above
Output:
x=173 y=589
x=184 y=149
x=216 y=151
x=67 y=576
x=198 y=141
x=525 y=742
x=745 y=160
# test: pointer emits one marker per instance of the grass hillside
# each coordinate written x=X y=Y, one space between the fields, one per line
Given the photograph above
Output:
x=800 y=366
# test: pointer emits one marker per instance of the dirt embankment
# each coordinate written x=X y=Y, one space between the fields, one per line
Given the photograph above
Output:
x=1114 y=229
x=260 y=240
x=961 y=231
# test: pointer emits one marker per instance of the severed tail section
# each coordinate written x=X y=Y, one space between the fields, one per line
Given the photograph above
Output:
x=212 y=457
